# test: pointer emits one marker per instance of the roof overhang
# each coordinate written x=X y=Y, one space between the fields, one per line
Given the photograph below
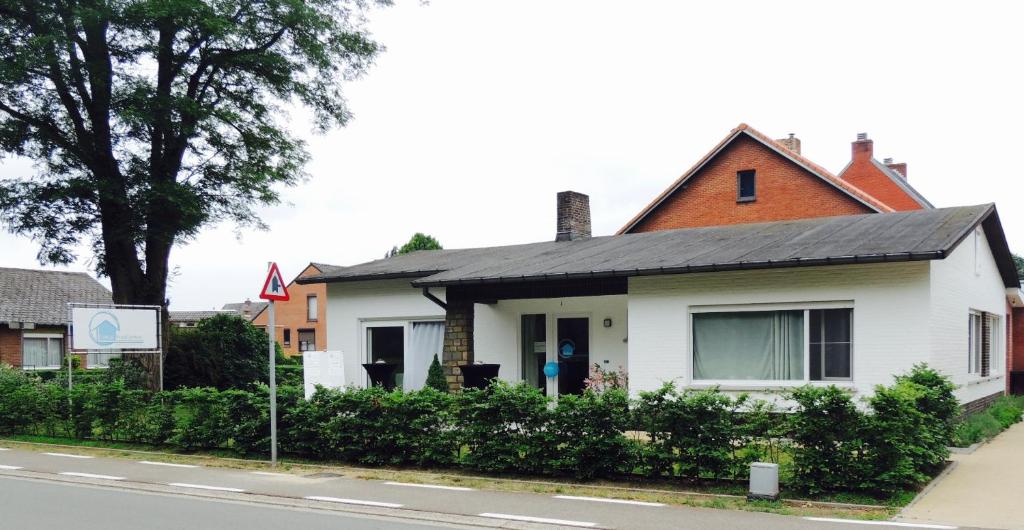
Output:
x=1015 y=297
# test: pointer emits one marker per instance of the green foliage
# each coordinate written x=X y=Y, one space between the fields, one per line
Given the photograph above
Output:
x=418 y=241
x=128 y=372
x=828 y=439
x=289 y=375
x=435 y=376
x=1002 y=413
x=152 y=119
x=1018 y=262
x=504 y=428
x=830 y=445
x=692 y=433
x=224 y=351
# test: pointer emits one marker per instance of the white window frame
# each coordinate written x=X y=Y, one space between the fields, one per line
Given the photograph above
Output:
x=312 y=303
x=47 y=336
x=406 y=325
x=806 y=307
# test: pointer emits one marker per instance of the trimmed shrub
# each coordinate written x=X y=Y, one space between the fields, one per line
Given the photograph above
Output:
x=435 y=376
x=828 y=440
x=898 y=438
x=223 y=351
x=504 y=427
x=586 y=435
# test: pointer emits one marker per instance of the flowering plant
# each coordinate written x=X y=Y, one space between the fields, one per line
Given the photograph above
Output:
x=601 y=380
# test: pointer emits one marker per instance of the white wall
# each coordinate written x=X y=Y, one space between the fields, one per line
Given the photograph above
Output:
x=959 y=284
x=496 y=337
x=890 y=327
x=349 y=304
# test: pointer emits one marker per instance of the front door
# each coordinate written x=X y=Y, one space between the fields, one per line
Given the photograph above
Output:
x=572 y=348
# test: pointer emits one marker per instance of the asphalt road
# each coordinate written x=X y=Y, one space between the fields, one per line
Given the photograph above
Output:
x=48 y=505
x=70 y=489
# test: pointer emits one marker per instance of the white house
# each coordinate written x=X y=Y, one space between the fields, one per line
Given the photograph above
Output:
x=849 y=300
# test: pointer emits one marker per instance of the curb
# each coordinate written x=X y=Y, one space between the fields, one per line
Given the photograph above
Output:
x=683 y=493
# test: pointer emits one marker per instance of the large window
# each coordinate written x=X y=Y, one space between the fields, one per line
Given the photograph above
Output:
x=41 y=352
x=773 y=345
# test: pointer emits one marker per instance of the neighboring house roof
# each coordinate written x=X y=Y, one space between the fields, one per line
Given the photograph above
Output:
x=839 y=184
x=42 y=297
x=239 y=308
x=898 y=182
x=196 y=316
x=867 y=238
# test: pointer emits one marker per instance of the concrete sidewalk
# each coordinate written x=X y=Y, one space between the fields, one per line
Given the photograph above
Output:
x=985 y=489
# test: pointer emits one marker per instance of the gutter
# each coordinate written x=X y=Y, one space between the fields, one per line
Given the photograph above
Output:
x=430 y=296
x=686 y=269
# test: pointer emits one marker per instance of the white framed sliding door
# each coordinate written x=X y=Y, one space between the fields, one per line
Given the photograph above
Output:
x=408 y=344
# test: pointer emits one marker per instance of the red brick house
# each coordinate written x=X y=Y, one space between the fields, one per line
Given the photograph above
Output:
x=34 y=316
x=301 y=322
x=751 y=178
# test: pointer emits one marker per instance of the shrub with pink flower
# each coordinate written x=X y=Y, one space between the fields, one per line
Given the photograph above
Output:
x=601 y=380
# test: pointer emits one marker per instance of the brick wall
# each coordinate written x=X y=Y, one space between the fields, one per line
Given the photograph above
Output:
x=864 y=174
x=291 y=315
x=10 y=346
x=1015 y=353
x=458 y=340
x=784 y=191
x=978 y=405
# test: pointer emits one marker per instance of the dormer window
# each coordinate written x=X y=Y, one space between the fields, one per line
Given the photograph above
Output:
x=746 y=187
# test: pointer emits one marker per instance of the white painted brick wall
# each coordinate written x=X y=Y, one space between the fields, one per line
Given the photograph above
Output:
x=891 y=327
x=956 y=289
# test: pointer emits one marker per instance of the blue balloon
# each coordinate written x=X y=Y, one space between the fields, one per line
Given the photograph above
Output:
x=551 y=369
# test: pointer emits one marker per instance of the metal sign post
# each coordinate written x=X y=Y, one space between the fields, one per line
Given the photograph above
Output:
x=274 y=289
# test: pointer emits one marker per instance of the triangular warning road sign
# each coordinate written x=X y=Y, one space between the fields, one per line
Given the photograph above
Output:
x=274 y=288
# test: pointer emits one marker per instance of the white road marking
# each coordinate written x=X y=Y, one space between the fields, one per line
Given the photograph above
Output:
x=354 y=501
x=544 y=520
x=204 y=487
x=4 y=449
x=168 y=464
x=10 y=468
x=66 y=455
x=270 y=474
x=90 y=475
x=429 y=486
x=613 y=501
x=882 y=523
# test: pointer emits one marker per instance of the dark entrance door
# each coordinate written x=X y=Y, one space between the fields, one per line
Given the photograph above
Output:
x=573 y=350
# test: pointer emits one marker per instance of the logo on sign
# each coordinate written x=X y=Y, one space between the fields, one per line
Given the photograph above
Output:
x=103 y=328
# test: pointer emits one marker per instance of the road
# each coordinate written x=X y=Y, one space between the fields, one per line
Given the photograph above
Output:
x=66 y=489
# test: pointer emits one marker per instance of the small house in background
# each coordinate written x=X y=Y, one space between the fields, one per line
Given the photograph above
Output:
x=189 y=319
x=34 y=316
x=301 y=322
x=247 y=309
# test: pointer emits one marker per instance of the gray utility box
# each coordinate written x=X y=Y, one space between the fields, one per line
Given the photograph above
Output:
x=764 y=481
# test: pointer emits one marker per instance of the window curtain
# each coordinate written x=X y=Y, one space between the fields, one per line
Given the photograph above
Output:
x=41 y=352
x=754 y=345
x=529 y=356
x=425 y=340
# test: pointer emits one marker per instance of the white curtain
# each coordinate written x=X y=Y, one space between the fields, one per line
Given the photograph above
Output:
x=754 y=345
x=41 y=352
x=425 y=340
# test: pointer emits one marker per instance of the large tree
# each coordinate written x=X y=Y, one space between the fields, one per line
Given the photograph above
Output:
x=418 y=241
x=150 y=119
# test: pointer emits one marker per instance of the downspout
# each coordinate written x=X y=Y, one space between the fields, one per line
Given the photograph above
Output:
x=430 y=296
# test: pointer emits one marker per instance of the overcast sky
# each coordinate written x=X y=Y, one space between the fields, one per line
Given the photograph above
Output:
x=479 y=112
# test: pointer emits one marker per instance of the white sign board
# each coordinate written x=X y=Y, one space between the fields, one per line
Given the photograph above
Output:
x=324 y=368
x=107 y=328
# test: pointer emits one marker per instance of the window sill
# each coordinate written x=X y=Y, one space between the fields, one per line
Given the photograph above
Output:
x=765 y=386
x=746 y=200
x=981 y=380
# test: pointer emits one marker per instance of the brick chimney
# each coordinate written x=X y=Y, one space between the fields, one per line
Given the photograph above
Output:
x=863 y=148
x=792 y=143
x=899 y=167
x=573 y=216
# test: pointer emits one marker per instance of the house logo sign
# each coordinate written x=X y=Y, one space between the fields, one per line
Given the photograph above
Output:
x=103 y=328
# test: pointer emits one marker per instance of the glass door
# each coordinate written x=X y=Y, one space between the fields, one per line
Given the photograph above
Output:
x=572 y=347
x=534 y=341
x=385 y=343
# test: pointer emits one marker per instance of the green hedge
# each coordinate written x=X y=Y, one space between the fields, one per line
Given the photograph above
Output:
x=1000 y=415
x=896 y=441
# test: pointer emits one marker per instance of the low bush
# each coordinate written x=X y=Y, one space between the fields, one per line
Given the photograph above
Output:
x=1000 y=415
x=826 y=442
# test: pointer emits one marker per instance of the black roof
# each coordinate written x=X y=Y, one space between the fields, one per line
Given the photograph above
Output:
x=42 y=297
x=868 y=238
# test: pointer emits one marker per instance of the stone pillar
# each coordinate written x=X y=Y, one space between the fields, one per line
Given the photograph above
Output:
x=458 y=341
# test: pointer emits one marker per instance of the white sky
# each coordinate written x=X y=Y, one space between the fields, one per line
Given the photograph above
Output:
x=480 y=111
